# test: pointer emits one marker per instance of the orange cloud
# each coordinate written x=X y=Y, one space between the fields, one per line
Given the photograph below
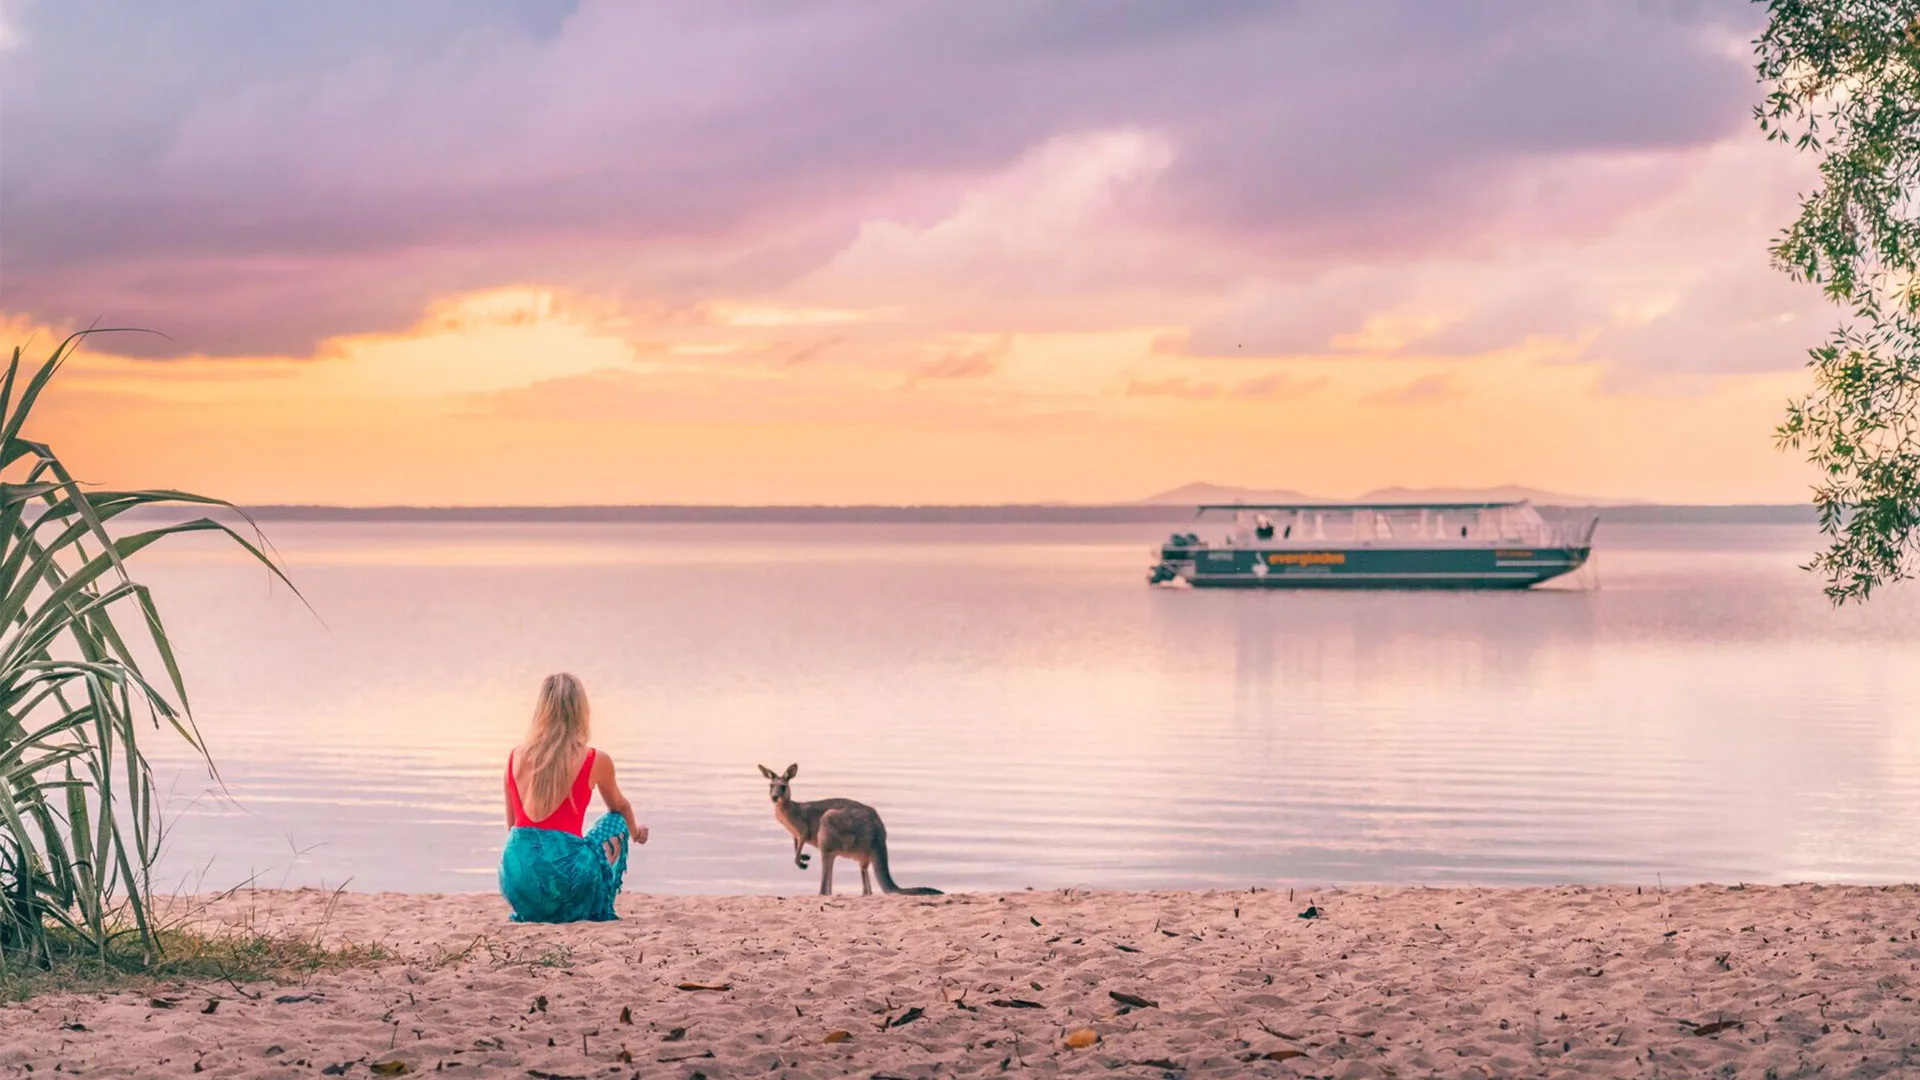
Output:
x=968 y=363
x=537 y=396
x=1432 y=387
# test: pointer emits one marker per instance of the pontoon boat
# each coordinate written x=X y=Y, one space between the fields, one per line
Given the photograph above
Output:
x=1492 y=545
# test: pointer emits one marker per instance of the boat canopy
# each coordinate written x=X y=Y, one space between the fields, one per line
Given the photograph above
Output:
x=1376 y=507
x=1512 y=522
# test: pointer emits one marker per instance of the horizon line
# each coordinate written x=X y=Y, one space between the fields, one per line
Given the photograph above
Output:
x=1043 y=505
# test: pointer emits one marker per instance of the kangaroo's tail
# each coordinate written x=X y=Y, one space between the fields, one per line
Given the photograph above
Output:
x=886 y=876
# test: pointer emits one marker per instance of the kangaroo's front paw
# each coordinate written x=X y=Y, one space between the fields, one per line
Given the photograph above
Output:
x=801 y=861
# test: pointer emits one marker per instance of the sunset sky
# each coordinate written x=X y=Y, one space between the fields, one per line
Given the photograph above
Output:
x=561 y=251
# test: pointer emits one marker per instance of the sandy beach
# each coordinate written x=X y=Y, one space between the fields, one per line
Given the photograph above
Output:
x=1707 y=980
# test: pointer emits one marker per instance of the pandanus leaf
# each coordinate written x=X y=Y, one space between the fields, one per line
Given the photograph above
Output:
x=78 y=821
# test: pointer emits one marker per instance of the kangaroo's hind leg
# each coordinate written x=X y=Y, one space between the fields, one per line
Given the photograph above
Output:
x=830 y=840
x=866 y=882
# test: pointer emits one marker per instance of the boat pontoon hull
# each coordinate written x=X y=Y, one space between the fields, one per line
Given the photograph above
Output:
x=1375 y=568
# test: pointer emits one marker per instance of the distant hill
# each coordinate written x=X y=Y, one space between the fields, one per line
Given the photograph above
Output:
x=1501 y=493
x=1193 y=494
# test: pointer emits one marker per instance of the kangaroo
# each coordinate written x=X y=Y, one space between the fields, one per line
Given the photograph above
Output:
x=836 y=828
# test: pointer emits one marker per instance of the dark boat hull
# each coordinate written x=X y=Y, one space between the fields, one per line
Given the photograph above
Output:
x=1367 y=568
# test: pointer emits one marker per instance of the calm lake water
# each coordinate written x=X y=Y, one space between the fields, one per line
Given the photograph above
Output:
x=1024 y=711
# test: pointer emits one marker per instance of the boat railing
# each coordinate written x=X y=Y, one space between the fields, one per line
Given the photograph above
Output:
x=1576 y=532
x=1531 y=531
x=1469 y=525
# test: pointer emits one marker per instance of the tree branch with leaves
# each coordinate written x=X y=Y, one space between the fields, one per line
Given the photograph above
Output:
x=1843 y=84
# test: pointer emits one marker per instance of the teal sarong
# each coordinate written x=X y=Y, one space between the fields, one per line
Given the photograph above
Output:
x=553 y=877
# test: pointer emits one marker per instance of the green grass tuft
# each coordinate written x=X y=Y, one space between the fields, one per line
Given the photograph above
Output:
x=236 y=958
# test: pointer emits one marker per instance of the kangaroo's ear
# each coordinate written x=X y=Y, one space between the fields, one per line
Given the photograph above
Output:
x=768 y=773
x=792 y=771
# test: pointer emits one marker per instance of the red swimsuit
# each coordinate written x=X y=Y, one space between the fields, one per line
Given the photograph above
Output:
x=570 y=815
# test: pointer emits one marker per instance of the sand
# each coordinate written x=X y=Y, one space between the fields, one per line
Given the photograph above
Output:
x=1398 y=983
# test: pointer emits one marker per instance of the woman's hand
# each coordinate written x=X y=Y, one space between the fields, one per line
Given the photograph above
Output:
x=616 y=802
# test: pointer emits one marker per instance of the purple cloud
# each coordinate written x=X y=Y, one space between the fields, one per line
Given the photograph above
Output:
x=253 y=180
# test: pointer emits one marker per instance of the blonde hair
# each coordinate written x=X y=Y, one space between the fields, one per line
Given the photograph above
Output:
x=557 y=736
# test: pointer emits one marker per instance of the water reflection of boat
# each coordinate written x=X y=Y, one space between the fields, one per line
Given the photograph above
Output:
x=1492 y=545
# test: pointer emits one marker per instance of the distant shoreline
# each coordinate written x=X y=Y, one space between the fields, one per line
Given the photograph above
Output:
x=1027 y=514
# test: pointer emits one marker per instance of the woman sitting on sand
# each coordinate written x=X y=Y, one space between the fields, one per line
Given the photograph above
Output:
x=549 y=872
